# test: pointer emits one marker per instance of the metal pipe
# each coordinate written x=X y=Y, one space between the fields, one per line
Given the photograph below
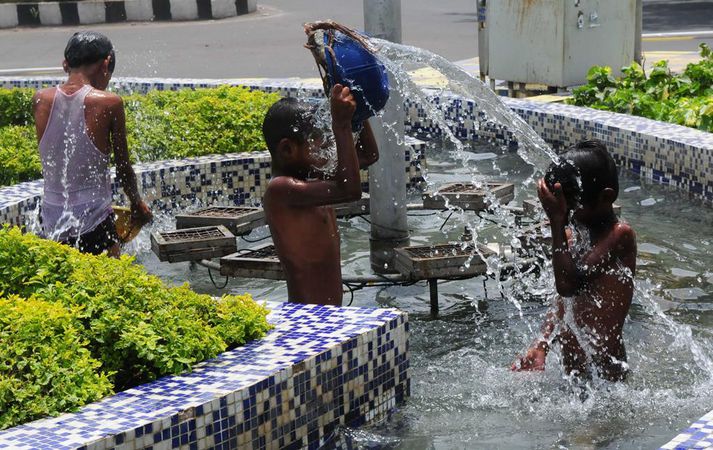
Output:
x=209 y=264
x=638 y=53
x=387 y=179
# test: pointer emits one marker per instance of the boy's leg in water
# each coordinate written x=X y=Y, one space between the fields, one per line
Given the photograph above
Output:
x=574 y=359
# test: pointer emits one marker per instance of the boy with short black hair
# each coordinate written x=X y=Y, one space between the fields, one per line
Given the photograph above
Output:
x=79 y=126
x=594 y=260
x=298 y=207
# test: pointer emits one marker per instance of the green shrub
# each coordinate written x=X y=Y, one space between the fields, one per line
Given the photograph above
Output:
x=16 y=106
x=136 y=326
x=684 y=99
x=45 y=368
x=19 y=157
x=160 y=125
x=179 y=124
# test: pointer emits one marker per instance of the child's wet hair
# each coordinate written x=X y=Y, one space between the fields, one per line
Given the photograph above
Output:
x=287 y=118
x=89 y=47
x=584 y=171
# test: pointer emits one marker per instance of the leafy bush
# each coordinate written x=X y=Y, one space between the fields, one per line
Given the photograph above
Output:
x=138 y=328
x=16 y=107
x=19 y=157
x=168 y=124
x=684 y=99
x=44 y=366
x=160 y=125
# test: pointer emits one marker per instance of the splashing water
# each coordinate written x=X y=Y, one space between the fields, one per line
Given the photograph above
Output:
x=594 y=414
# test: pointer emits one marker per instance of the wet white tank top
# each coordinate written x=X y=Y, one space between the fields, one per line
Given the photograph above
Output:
x=77 y=183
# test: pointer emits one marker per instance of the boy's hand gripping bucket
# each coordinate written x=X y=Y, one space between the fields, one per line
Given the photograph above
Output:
x=344 y=57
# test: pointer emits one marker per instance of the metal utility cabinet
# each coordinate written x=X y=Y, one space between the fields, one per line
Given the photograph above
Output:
x=555 y=42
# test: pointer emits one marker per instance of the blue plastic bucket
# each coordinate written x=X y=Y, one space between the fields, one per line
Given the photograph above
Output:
x=356 y=67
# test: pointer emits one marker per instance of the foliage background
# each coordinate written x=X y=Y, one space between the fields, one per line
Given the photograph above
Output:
x=76 y=327
x=160 y=125
x=684 y=99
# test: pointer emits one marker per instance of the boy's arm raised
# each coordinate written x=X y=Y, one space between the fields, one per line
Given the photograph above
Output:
x=567 y=279
x=345 y=186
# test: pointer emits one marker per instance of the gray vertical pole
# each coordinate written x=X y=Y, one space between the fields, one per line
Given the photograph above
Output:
x=638 y=52
x=387 y=178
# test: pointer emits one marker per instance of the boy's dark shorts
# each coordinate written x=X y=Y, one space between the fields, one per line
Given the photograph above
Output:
x=101 y=238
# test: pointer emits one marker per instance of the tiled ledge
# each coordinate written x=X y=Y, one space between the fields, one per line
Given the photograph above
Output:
x=228 y=179
x=321 y=368
x=698 y=435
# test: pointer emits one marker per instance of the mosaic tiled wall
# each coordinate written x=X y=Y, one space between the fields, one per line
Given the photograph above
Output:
x=322 y=368
x=664 y=153
x=231 y=179
x=669 y=154
x=698 y=435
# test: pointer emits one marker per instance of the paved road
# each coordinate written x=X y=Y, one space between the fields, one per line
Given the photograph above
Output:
x=269 y=43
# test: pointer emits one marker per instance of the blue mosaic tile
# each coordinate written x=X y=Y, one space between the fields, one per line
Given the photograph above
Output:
x=295 y=386
x=698 y=435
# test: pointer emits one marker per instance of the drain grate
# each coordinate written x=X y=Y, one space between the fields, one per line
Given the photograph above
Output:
x=239 y=220
x=223 y=211
x=440 y=251
x=192 y=244
x=441 y=261
x=259 y=262
x=191 y=234
x=468 y=196
x=460 y=187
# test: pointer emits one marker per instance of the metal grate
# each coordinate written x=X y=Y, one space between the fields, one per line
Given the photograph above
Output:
x=267 y=252
x=227 y=211
x=192 y=235
x=460 y=188
x=440 y=251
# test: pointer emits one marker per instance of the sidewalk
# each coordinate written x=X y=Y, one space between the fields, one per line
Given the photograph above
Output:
x=677 y=62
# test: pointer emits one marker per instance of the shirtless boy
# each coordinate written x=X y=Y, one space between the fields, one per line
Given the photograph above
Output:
x=594 y=259
x=79 y=126
x=297 y=206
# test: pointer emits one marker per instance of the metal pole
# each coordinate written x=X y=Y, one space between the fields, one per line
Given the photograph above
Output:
x=638 y=53
x=387 y=178
x=482 y=39
x=433 y=294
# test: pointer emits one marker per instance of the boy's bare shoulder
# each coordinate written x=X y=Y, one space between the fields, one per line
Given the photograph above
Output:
x=625 y=236
x=108 y=99
x=278 y=187
x=42 y=94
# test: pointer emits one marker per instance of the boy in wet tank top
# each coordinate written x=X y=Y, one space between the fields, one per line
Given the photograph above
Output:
x=79 y=127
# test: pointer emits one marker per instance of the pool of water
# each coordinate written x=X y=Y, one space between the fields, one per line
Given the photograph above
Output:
x=463 y=394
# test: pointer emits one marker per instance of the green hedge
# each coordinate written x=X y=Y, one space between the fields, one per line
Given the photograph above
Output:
x=160 y=125
x=16 y=107
x=106 y=318
x=19 y=158
x=684 y=99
